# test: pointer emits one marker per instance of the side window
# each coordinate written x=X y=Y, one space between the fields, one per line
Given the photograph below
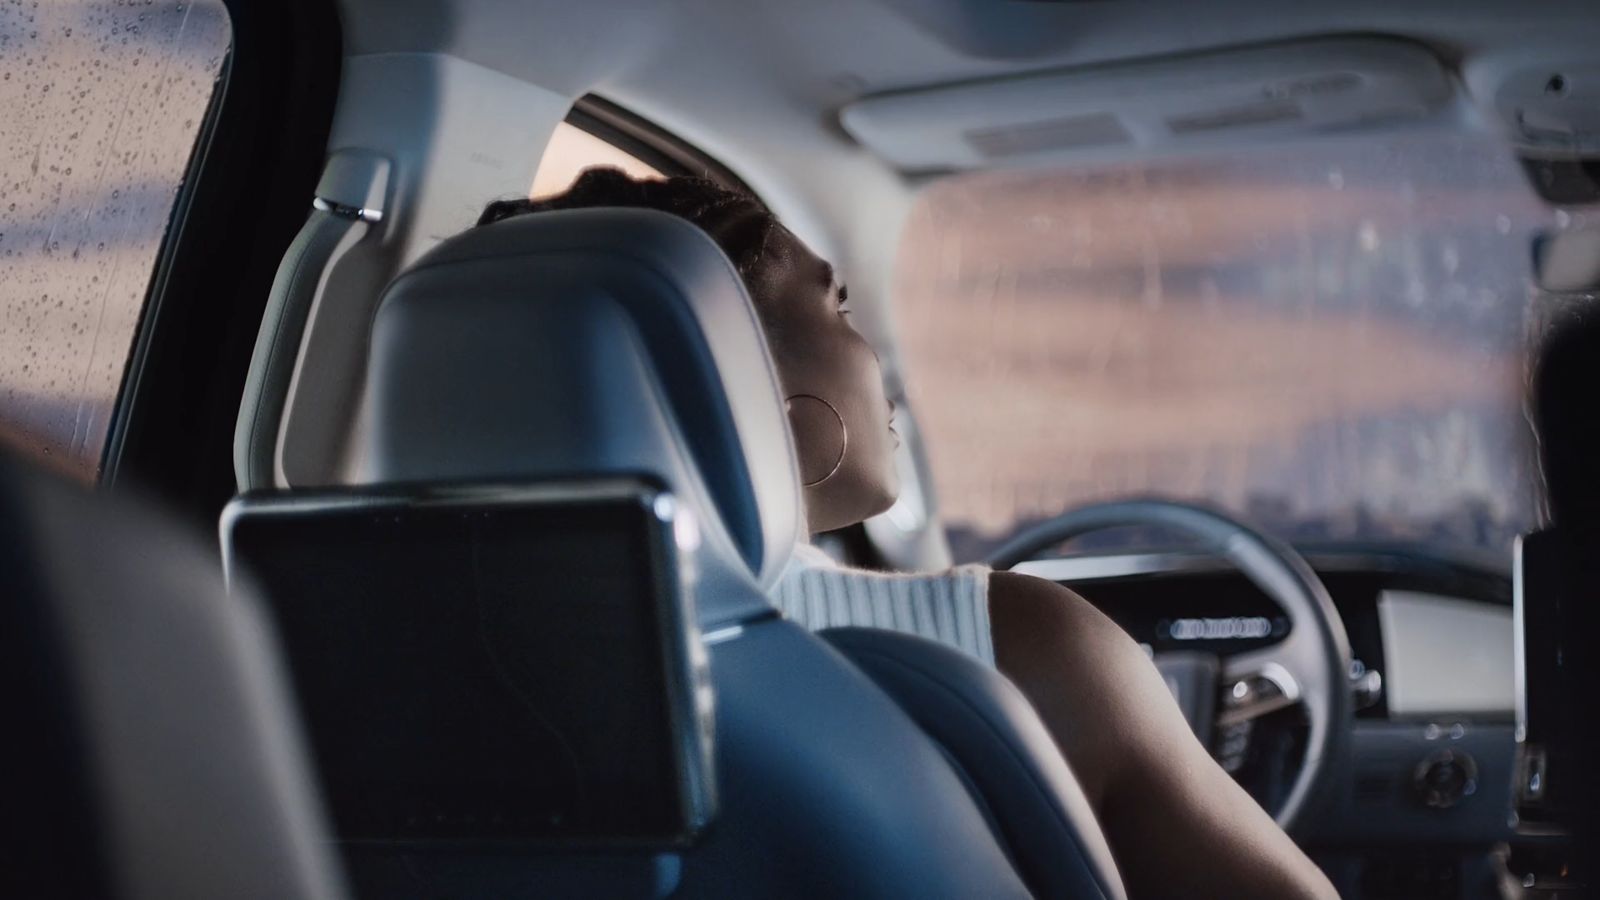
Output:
x=571 y=150
x=100 y=107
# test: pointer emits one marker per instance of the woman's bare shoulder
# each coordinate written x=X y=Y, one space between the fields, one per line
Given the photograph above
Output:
x=1078 y=665
x=1133 y=752
x=1028 y=605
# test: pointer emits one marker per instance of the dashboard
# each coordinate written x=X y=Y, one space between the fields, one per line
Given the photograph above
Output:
x=1425 y=789
x=1436 y=637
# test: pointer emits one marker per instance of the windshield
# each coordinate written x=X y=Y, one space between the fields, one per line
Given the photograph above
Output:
x=1327 y=339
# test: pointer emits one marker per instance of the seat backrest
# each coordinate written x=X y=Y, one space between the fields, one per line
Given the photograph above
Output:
x=574 y=342
x=979 y=721
x=639 y=298
x=989 y=731
x=153 y=752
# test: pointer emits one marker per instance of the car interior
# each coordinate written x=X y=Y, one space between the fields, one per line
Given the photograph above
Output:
x=352 y=548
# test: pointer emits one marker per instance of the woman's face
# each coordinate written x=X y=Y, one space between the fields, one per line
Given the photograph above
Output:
x=840 y=415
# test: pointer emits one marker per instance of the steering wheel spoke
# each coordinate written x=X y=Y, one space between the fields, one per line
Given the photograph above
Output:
x=1254 y=690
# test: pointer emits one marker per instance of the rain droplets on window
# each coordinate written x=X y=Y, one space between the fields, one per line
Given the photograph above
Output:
x=100 y=105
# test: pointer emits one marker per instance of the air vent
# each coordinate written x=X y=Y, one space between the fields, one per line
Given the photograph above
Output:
x=1071 y=132
x=1235 y=117
x=1316 y=85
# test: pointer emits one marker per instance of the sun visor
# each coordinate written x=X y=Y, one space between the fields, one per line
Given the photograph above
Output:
x=1552 y=108
x=1211 y=99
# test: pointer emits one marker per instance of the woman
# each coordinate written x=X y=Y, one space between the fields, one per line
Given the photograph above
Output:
x=1177 y=823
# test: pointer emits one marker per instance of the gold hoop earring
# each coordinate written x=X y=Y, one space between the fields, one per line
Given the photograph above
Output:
x=812 y=410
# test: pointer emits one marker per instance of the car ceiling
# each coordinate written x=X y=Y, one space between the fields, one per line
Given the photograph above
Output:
x=738 y=69
x=759 y=83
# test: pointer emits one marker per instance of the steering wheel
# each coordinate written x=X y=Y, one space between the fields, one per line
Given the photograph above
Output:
x=1309 y=666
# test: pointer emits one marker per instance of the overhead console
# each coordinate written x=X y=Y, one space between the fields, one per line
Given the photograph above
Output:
x=1552 y=108
x=1184 y=102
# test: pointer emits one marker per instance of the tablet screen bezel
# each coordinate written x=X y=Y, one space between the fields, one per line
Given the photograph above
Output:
x=668 y=533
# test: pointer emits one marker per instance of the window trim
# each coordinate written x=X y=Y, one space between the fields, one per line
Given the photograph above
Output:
x=171 y=240
x=650 y=143
x=246 y=194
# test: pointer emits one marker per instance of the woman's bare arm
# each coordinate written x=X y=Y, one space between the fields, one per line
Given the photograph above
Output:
x=1178 y=825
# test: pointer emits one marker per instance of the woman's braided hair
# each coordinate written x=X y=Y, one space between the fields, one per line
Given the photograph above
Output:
x=737 y=221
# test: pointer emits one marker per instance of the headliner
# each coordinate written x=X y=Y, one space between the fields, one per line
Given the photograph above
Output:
x=758 y=84
x=726 y=66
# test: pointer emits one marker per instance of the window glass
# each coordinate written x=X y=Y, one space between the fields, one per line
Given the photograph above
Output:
x=571 y=150
x=1328 y=339
x=100 y=105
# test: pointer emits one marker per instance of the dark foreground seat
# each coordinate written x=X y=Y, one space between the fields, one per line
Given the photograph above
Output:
x=151 y=748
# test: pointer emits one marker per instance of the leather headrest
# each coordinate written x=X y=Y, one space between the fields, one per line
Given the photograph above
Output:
x=585 y=342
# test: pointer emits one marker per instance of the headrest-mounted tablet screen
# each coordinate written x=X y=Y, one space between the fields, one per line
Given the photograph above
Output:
x=490 y=663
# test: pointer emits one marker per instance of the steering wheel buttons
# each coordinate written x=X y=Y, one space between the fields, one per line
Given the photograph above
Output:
x=1232 y=745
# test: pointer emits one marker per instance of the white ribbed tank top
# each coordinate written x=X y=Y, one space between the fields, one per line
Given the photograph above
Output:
x=951 y=607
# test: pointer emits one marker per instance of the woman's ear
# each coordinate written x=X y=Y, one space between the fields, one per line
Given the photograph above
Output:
x=820 y=437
